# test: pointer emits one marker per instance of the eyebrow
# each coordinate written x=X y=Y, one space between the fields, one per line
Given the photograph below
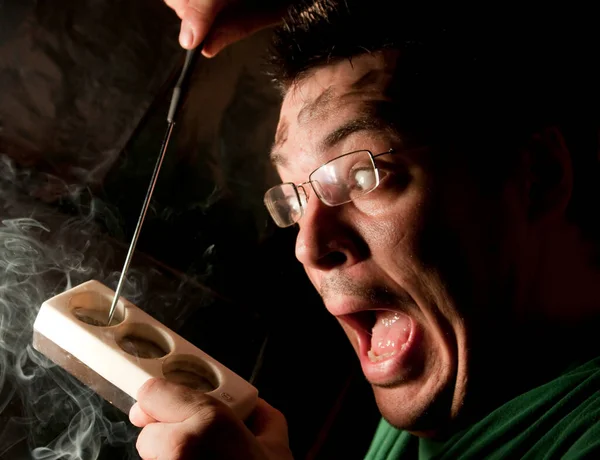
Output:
x=361 y=123
x=369 y=118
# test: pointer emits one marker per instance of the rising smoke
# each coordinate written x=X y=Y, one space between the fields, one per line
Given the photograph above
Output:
x=44 y=412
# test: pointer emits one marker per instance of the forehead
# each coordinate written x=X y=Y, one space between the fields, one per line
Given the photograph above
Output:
x=333 y=93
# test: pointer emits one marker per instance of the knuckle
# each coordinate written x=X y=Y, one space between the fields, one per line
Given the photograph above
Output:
x=213 y=418
x=189 y=399
x=207 y=415
x=190 y=402
x=147 y=388
x=210 y=411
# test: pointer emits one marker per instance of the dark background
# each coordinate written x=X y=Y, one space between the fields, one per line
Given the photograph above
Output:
x=84 y=92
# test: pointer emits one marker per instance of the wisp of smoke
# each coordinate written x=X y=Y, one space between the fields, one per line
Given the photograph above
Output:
x=44 y=412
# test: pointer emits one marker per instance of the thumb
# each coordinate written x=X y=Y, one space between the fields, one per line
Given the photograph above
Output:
x=268 y=424
x=197 y=19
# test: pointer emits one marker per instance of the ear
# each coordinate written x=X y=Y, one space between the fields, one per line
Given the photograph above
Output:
x=549 y=175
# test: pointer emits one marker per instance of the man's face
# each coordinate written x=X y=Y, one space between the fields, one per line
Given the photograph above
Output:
x=412 y=267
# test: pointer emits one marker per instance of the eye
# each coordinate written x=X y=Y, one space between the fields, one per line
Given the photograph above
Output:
x=364 y=179
x=293 y=204
x=287 y=204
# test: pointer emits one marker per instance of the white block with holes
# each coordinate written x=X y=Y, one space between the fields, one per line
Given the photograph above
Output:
x=71 y=328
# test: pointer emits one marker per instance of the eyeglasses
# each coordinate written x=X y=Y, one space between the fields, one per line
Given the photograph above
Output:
x=339 y=181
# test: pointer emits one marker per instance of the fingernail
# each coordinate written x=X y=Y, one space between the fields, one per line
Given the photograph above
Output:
x=186 y=35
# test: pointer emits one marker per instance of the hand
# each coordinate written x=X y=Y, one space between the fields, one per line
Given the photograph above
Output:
x=221 y=22
x=180 y=423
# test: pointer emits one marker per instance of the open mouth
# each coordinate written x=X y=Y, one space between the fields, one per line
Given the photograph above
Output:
x=388 y=344
x=387 y=332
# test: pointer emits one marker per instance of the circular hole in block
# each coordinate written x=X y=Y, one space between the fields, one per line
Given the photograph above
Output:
x=191 y=371
x=92 y=308
x=144 y=341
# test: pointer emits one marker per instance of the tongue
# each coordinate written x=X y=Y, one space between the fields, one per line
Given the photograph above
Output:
x=390 y=332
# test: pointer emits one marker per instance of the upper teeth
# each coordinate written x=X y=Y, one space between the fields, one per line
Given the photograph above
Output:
x=389 y=321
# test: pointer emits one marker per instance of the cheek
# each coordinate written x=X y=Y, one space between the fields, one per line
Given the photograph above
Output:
x=442 y=240
x=468 y=238
x=399 y=215
x=409 y=246
x=396 y=232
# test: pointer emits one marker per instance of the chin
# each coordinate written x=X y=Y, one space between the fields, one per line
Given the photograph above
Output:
x=416 y=389
x=421 y=408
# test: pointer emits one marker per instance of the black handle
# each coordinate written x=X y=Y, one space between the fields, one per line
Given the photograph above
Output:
x=180 y=86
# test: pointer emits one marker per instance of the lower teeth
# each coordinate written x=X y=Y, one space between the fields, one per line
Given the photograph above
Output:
x=376 y=358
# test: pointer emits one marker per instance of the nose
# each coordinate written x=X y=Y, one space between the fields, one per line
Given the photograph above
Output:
x=327 y=238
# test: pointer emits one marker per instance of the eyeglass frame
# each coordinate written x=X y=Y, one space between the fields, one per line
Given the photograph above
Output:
x=301 y=185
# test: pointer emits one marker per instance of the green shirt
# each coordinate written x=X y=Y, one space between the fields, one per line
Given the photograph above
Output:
x=560 y=419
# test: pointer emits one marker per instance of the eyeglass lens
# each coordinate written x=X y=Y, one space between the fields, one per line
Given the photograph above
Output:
x=339 y=181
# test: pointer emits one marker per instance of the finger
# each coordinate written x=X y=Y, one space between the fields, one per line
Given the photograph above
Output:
x=138 y=417
x=268 y=424
x=170 y=402
x=163 y=440
x=196 y=21
x=234 y=24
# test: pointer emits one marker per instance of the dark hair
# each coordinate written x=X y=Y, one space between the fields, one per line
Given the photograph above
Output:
x=480 y=69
